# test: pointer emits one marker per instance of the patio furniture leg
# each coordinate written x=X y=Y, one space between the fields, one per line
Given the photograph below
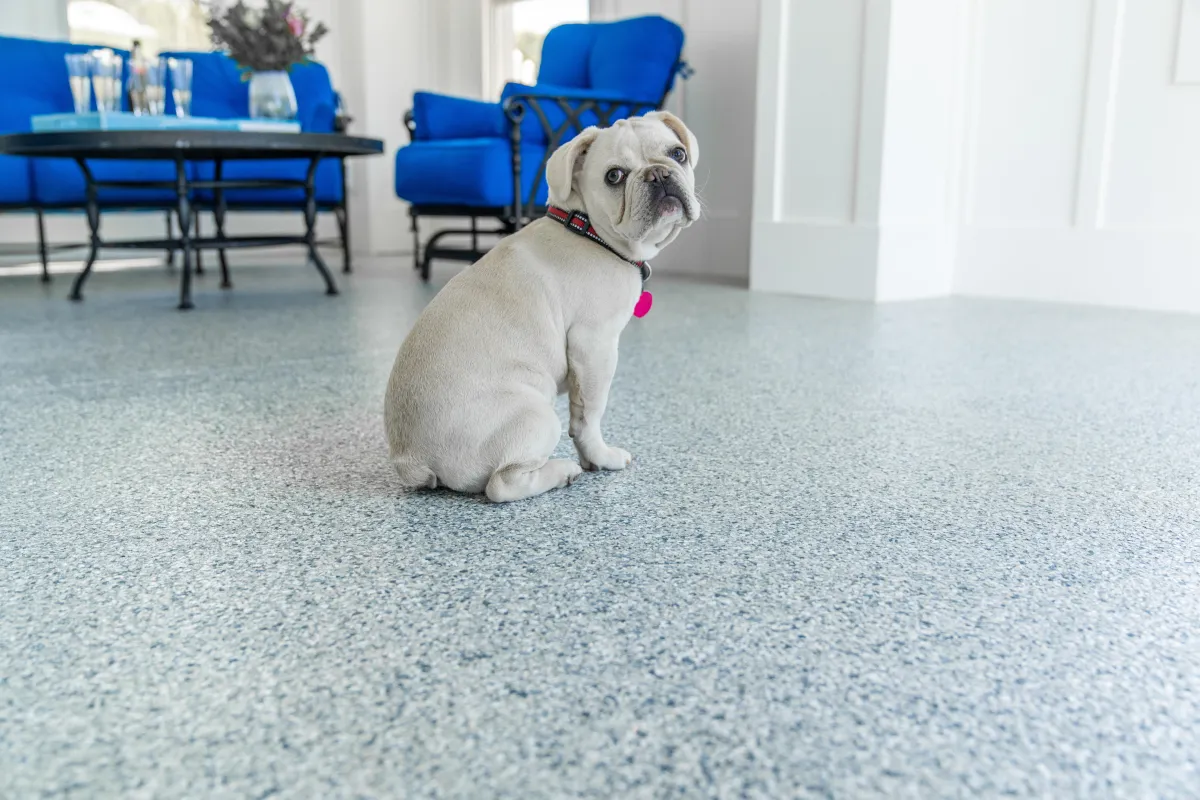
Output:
x=93 y=218
x=185 y=226
x=41 y=222
x=170 y=235
x=416 y=241
x=518 y=218
x=342 y=212
x=343 y=220
x=219 y=218
x=310 y=225
x=199 y=257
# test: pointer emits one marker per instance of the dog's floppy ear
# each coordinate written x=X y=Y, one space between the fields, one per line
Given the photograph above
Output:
x=681 y=131
x=560 y=169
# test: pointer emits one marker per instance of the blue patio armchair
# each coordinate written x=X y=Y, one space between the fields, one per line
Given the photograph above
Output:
x=482 y=160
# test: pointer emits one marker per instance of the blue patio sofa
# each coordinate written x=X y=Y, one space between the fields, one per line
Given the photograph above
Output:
x=476 y=159
x=33 y=80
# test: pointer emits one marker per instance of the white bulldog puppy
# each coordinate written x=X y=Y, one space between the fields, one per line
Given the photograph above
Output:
x=470 y=401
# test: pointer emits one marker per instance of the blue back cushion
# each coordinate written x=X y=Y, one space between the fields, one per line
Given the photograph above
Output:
x=635 y=58
x=565 y=54
x=33 y=80
x=218 y=90
x=631 y=58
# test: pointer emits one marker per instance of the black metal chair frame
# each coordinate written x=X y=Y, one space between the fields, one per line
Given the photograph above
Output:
x=512 y=218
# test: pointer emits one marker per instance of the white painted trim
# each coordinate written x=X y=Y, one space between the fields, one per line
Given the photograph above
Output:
x=768 y=137
x=974 y=88
x=871 y=109
x=836 y=261
x=1100 y=101
x=1111 y=267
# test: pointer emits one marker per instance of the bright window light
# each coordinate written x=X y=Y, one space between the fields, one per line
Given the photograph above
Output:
x=518 y=29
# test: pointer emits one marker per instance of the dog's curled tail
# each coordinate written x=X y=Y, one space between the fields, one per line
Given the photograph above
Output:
x=414 y=474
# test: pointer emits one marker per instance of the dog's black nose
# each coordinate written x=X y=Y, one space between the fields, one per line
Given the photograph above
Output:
x=657 y=174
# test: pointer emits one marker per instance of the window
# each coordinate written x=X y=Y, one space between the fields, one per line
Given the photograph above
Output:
x=158 y=24
x=518 y=28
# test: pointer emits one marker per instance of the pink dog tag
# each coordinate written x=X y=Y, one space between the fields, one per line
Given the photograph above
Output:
x=643 y=305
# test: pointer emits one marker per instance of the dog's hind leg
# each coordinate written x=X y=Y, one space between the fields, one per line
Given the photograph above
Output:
x=527 y=469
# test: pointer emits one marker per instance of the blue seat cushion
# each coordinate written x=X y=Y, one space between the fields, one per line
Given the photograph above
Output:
x=15 y=185
x=470 y=172
x=328 y=181
x=59 y=181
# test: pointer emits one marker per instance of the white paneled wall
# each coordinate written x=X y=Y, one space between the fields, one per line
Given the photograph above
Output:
x=822 y=71
x=1087 y=179
x=1015 y=148
x=858 y=107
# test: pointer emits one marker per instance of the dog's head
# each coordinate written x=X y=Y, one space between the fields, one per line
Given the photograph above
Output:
x=635 y=180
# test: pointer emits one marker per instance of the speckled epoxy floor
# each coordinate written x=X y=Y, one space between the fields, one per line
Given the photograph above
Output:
x=932 y=549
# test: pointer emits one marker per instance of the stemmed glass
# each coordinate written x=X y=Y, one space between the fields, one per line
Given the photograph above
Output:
x=79 y=70
x=181 y=85
x=147 y=92
x=106 y=80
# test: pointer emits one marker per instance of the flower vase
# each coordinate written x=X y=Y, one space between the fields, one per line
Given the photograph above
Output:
x=272 y=96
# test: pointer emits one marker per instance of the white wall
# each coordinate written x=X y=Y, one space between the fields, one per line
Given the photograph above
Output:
x=1013 y=148
x=858 y=105
x=718 y=105
x=38 y=19
x=1083 y=178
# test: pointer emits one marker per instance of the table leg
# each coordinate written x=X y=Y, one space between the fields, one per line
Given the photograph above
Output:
x=219 y=217
x=198 y=253
x=416 y=241
x=343 y=218
x=93 y=218
x=170 y=236
x=184 y=207
x=42 y=251
x=310 y=225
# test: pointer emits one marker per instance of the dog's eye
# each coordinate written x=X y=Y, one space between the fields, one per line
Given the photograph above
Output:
x=680 y=155
x=614 y=177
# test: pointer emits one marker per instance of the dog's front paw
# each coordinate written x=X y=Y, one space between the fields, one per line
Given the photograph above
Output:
x=610 y=458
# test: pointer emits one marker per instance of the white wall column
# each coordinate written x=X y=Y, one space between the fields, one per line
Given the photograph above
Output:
x=856 y=148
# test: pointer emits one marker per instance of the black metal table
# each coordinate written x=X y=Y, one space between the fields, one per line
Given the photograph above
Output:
x=181 y=147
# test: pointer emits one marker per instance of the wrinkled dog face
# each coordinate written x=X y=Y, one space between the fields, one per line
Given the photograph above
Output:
x=635 y=180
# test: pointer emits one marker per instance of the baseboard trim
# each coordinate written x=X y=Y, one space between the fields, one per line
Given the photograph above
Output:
x=1153 y=270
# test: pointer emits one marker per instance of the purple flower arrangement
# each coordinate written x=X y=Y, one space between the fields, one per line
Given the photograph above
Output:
x=269 y=39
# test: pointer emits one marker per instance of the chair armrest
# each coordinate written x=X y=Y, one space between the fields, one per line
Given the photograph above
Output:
x=410 y=124
x=560 y=116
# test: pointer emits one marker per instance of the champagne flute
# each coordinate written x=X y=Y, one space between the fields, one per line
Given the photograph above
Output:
x=79 y=71
x=181 y=85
